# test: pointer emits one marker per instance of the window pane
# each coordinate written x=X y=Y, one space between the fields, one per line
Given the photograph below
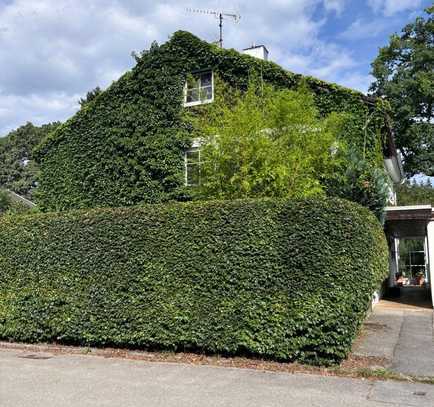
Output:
x=192 y=95
x=199 y=88
x=193 y=82
x=192 y=166
x=193 y=174
x=192 y=157
x=206 y=93
x=206 y=79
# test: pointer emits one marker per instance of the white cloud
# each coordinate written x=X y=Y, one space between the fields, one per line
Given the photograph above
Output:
x=16 y=110
x=357 y=80
x=53 y=51
x=361 y=29
x=331 y=60
x=335 y=5
x=391 y=7
x=324 y=61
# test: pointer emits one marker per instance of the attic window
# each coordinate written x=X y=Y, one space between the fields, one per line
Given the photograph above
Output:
x=199 y=89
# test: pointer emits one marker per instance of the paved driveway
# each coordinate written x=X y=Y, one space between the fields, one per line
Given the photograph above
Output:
x=402 y=332
x=90 y=381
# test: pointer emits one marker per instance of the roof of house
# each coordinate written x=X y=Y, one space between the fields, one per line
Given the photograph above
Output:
x=20 y=199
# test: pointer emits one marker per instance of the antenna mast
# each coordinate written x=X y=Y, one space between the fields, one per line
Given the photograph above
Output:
x=221 y=16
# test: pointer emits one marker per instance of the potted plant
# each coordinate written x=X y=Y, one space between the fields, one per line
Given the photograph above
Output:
x=420 y=278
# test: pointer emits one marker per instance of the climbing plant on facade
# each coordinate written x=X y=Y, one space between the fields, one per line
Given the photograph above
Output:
x=126 y=145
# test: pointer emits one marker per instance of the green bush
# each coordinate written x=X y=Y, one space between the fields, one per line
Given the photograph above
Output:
x=289 y=280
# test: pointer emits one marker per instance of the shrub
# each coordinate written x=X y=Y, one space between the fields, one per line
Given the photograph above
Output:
x=289 y=280
x=358 y=180
x=5 y=201
x=267 y=142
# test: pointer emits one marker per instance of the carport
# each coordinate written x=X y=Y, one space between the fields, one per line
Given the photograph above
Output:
x=410 y=222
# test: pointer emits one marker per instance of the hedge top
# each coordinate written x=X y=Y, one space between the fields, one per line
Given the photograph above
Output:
x=126 y=145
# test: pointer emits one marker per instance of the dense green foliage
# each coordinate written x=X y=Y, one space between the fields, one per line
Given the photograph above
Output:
x=274 y=143
x=360 y=180
x=91 y=95
x=267 y=143
x=404 y=73
x=415 y=194
x=5 y=202
x=18 y=169
x=126 y=146
x=289 y=280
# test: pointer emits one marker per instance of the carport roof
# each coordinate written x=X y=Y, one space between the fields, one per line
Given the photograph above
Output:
x=408 y=221
x=409 y=212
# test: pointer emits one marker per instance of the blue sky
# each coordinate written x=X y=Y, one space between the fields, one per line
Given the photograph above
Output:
x=53 y=51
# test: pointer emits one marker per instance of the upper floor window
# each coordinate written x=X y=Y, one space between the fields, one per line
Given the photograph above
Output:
x=199 y=89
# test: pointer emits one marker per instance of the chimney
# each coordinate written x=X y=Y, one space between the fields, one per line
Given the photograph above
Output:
x=257 y=51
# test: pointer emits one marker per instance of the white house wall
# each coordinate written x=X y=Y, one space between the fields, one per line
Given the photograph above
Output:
x=430 y=246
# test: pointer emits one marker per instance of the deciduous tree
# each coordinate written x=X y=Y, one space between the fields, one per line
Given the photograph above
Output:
x=404 y=74
x=18 y=170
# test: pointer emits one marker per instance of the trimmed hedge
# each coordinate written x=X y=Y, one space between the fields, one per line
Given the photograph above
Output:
x=126 y=146
x=289 y=280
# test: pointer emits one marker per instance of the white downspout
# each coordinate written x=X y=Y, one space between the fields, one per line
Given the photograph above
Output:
x=425 y=251
x=430 y=253
x=393 y=261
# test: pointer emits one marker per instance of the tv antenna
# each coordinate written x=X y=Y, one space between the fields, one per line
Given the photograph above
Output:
x=220 y=15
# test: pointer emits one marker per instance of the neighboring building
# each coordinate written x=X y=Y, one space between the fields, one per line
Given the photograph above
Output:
x=20 y=200
x=131 y=143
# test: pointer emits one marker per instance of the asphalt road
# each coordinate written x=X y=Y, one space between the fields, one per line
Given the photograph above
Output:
x=46 y=380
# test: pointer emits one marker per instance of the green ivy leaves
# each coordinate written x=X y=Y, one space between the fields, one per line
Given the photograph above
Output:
x=288 y=280
x=125 y=146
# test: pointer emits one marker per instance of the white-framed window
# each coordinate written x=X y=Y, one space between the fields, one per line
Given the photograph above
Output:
x=199 y=89
x=192 y=162
x=192 y=167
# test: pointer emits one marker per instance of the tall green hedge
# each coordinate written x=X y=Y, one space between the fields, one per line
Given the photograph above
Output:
x=285 y=280
x=126 y=146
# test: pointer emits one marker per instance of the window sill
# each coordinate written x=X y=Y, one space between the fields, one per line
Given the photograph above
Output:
x=198 y=102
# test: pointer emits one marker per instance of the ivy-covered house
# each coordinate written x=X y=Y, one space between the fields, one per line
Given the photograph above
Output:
x=131 y=144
